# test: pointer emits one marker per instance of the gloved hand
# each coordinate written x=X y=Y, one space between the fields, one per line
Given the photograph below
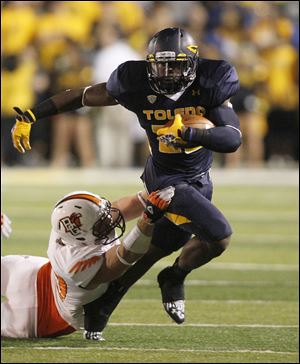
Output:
x=171 y=135
x=158 y=202
x=5 y=226
x=21 y=130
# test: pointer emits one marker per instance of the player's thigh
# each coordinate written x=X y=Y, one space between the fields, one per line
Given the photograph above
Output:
x=192 y=209
x=18 y=285
x=168 y=236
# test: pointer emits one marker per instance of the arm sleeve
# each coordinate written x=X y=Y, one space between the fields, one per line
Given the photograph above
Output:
x=124 y=84
x=116 y=84
x=68 y=100
x=226 y=137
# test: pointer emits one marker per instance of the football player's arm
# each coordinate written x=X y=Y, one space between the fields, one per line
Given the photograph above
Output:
x=132 y=206
x=65 y=101
x=226 y=137
x=135 y=244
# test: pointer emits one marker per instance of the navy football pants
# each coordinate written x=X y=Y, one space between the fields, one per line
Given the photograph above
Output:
x=197 y=215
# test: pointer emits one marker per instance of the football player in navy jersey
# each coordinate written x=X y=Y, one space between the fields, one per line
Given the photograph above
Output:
x=172 y=82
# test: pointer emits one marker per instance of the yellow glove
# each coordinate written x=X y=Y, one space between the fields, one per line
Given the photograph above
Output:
x=171 y=135
x=21 y=130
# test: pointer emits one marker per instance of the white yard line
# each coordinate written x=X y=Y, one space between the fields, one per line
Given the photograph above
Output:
x=244 y=266
x=204 y=325
x=202 y=282
x=158 y=349
x=230 y=302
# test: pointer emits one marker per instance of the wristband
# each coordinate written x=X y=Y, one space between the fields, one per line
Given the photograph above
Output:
x=136 y=242
x=30 y=115
x=44 y=109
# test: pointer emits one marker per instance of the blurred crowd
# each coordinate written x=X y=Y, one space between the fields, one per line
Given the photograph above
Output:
x=50 y=46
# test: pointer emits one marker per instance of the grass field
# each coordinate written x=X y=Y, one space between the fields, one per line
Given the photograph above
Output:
x=242 y=307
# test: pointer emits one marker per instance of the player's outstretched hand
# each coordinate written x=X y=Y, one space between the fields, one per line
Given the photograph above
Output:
x=21 y=130
x=5 y=226
x=171 y=135
x=157 y=203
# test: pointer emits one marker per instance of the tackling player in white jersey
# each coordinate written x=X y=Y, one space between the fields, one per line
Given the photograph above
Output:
x=45 y=297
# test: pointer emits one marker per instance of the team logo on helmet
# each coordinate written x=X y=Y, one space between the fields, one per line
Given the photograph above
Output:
x=71 y=223
x=193 y=48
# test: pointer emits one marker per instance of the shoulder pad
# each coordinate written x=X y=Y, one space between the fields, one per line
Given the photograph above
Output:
x=221 y=78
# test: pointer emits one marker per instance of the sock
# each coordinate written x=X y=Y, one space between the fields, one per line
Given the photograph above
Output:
x=179 y=272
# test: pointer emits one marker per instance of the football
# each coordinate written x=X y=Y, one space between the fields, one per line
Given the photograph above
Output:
x=197 y=121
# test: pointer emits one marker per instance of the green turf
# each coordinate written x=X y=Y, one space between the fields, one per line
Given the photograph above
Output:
x=242 y=307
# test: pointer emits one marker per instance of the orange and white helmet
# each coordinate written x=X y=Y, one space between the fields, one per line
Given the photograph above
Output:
x=82 y=217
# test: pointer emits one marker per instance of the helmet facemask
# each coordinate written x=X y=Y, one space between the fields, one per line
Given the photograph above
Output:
x=110 y=219
x=171 y=76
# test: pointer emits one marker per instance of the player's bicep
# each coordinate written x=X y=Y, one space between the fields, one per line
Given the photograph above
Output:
x=97 y=95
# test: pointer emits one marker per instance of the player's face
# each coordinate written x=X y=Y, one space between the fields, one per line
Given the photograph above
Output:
x=168 y=69
x=104 y=227
x=172 y=69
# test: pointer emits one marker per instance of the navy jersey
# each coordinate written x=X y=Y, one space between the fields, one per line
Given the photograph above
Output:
x=216 y=81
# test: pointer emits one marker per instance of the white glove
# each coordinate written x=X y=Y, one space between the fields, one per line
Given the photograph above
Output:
x=5 y=226
x=167 y=193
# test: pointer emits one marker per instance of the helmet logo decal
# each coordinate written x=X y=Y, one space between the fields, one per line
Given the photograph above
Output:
x=165 y=55
x=152 y=98
x=71 y=223
x=193 y=48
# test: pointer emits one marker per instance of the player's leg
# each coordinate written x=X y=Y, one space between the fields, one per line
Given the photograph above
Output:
x=212 y=235
x=18 y=285
x=167 y=238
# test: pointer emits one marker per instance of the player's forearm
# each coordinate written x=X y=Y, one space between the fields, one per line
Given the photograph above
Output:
x=64 y=101
x=221 y=139
x=70 y=100
x=131 y=207
x=225 y=138
x=118 y=259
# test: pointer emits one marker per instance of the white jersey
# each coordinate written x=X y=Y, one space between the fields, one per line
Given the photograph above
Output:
x=73 y=268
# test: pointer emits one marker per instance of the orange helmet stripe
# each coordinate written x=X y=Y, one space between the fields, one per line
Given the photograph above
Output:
x=82 y=196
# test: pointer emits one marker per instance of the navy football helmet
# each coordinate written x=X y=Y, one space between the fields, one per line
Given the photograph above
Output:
x=171 y=61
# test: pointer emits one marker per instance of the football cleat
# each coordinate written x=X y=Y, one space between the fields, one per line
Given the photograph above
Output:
x=172 y=291
x=175 y=310
x=90 y=335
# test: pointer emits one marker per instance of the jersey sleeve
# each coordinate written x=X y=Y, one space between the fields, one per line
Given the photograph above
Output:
x=83 y=270
x=226 y=83
x=121 y=84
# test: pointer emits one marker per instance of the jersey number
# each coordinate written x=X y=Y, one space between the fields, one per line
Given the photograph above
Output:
x=61 y=286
